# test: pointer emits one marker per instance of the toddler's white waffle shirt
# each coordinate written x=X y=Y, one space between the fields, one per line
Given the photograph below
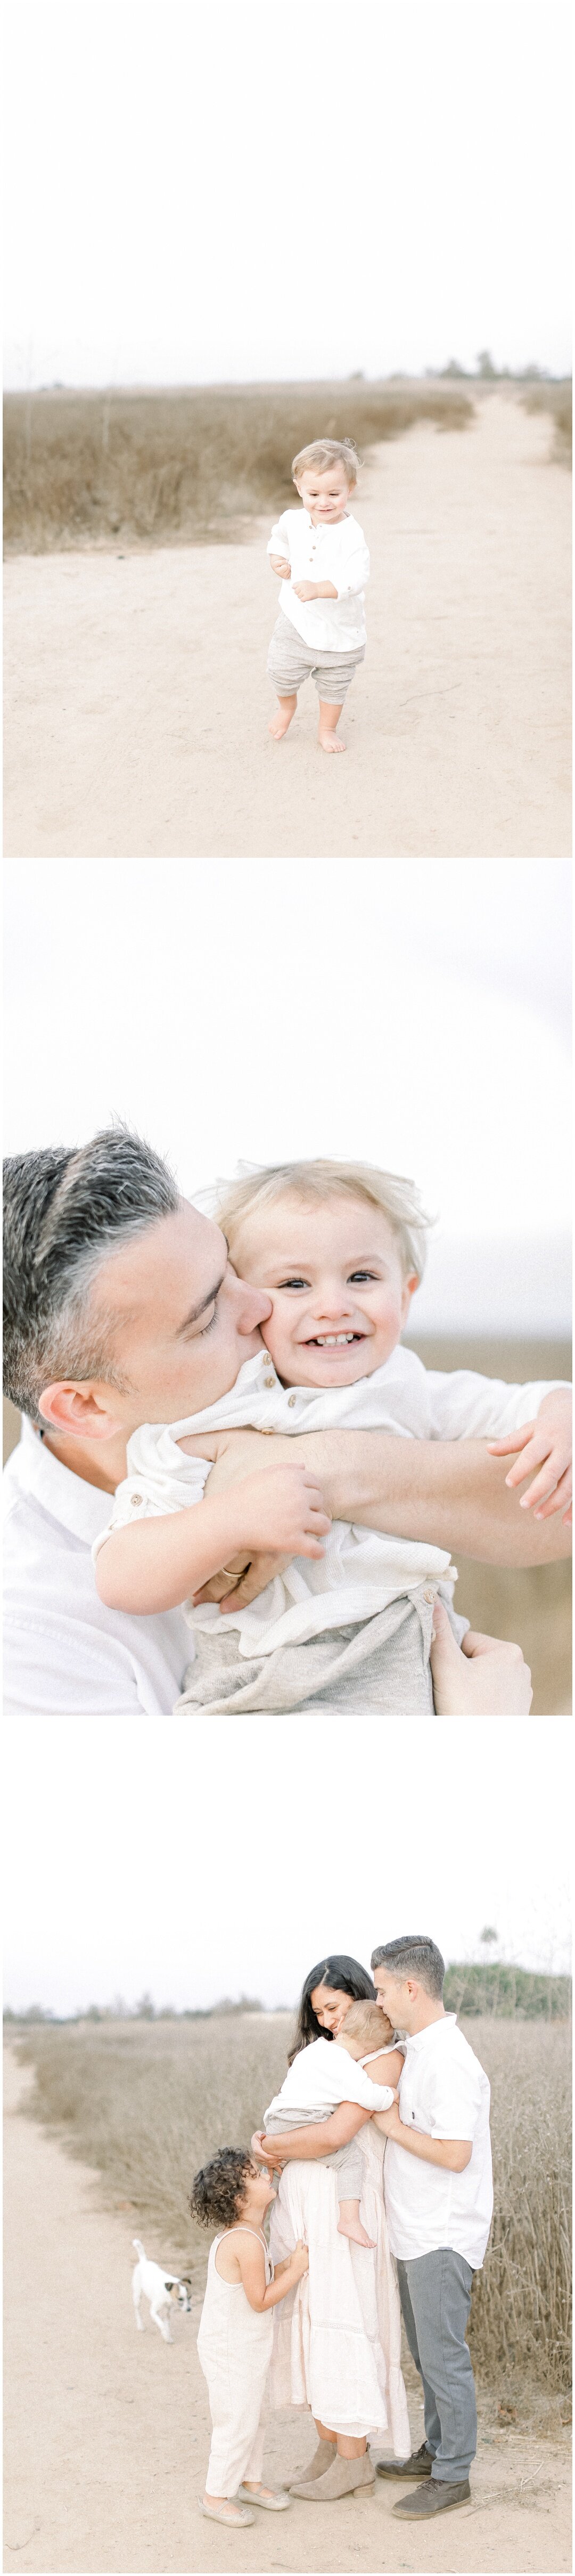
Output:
x=361 y=1570
x=336 y=553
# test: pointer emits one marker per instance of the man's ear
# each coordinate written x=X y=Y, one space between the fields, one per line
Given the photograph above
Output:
x=409 y=1287
x=82 y=1408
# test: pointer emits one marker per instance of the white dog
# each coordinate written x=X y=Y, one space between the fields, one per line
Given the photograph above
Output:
x=161 y=2288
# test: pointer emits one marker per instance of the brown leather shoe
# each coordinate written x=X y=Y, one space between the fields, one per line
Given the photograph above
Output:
x=437 y=2497
x=418 y=2466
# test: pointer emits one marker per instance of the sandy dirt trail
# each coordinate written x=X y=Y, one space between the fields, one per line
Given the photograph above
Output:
x=107 y=2430
x=137 y=701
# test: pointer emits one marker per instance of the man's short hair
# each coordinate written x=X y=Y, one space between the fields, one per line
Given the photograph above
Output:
x=65 y=1211
x=414 y=1955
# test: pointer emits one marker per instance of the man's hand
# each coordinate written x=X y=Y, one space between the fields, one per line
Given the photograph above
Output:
x=390 y=2123
x=546 y=1444
x=489 y=1679
x=280 y=565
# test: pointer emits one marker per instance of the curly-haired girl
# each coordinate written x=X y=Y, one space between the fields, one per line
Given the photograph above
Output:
x=232 y=2193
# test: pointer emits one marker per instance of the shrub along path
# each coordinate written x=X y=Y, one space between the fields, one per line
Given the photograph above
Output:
x=107 y=2430
x=138 y=706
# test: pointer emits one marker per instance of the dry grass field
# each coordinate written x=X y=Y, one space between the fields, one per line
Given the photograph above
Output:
x=186 y=466
x=533 y=1608
x=147 y=2103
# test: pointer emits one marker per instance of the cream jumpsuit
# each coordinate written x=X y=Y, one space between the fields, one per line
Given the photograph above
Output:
x=234 y=2346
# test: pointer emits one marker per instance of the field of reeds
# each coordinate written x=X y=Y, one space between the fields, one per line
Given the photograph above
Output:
x=147 y=2102
x=189 y=466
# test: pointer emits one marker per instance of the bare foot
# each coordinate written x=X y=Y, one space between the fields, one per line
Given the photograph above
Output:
x=352 y=2227
x=329 y=742
x=279 y=723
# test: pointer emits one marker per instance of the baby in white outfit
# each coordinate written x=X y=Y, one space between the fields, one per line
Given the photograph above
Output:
x=318 y=2079
x=322 y=559
x=347 y=1621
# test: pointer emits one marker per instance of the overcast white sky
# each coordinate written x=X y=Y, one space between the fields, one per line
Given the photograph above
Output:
x=271 y=190
x=127 y=1865
x=417 y=1017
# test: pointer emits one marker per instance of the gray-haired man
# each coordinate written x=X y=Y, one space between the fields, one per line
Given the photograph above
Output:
x=439 y=2201
x=120 y=1309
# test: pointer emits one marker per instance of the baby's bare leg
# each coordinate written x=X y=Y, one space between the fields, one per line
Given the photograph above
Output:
x=286 y=708
x=349 y=2224
x=328 y=719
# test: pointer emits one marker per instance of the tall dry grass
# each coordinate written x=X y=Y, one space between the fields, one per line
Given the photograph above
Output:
x=185 y=467
x=148 y=2102
x=558 y=400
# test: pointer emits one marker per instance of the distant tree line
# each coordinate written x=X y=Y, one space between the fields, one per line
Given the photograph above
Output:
x=471 y=1987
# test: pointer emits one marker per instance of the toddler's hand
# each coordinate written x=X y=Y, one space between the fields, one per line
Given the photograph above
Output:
x=545 y=1444
x=280 y=564
x=282 y=1508
x=299 y=2260
x=305 y=589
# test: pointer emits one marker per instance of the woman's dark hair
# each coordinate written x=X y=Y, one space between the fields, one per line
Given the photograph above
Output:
x=219 y=2188
x=345 y=1976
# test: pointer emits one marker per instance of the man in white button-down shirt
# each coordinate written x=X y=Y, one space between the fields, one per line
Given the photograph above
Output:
x=120 y=1310
x=439 y=2203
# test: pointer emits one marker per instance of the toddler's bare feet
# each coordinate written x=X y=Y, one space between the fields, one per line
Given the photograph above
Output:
x=279 y=723
x=352 y=2227
x=330 y=742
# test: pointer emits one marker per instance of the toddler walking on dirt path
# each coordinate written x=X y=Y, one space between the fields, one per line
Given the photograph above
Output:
x=322 y=559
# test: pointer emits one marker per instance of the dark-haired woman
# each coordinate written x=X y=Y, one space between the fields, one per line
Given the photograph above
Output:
x=337 y=2342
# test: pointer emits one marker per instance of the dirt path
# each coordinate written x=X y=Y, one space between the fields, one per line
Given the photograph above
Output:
x=107 y=2430
x=137 y=702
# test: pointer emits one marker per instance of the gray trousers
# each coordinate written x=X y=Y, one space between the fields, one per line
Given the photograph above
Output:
x=381 y=1666
x=435 y=2293
x=291 y=661
x=348 y=2160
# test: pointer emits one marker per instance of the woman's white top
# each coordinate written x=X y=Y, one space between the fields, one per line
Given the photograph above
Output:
x=443 y=2092
x=336 y=553
x=361 y=1570
x=323 y=2075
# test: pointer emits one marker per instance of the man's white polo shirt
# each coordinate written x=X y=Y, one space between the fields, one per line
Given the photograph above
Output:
x=444 y=2092
x=64 y=1652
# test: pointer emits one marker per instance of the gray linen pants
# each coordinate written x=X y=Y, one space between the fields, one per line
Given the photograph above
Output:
x=378 y=1667
x=435 y=2293
x=291 y=661
x=348 y=2160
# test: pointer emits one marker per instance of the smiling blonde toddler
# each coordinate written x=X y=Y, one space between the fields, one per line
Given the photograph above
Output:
x=322 y=559
x=339 y=1249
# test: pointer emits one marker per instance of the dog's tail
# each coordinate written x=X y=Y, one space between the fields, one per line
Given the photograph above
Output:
x=139 y=2248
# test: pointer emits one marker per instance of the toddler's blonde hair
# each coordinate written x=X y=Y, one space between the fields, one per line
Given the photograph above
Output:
x=399 y=1199
x=323 y=453
x=364 y=2022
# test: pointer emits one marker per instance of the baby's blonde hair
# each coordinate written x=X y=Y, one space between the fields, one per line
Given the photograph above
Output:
x=321 y=1179
x=364 y=2022
x=323 y=453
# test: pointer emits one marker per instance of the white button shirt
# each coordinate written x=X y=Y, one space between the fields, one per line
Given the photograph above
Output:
x=336 y=553
x=444 y=2093
x=361 y=1570
x=64 y=1652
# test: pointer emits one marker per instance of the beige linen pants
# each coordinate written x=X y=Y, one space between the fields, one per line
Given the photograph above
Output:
x=291 y=661
x=379 y=1667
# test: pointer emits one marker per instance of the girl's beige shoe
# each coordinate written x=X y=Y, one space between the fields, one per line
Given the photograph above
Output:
x=231 y=2513
x=271 y=2499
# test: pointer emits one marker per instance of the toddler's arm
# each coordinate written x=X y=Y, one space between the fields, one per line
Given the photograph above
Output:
x=156 y=1563
x=262 y=2294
